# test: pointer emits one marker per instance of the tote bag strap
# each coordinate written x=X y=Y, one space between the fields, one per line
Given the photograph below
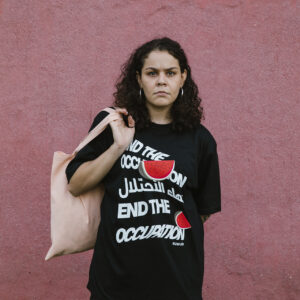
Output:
x=98 y=129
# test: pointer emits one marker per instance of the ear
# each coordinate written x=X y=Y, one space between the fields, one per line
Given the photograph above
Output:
x=183 y=77
x=138 y=78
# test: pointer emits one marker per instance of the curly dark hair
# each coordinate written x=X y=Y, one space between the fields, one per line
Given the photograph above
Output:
x=186 y=111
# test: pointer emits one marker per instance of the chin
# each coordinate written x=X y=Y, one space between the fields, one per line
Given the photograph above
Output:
x=161 y=103
x=162 y=100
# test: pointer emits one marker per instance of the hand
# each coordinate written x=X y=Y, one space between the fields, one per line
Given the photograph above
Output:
x=204 y=217
x=122 y=134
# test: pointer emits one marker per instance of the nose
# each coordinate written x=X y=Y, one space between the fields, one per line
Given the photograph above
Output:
x=161 y=79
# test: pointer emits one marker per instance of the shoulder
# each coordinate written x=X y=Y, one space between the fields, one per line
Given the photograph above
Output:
x=205 y=136
x=99 y=117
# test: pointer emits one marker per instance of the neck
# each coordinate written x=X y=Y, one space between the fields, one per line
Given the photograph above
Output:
x=159 y=115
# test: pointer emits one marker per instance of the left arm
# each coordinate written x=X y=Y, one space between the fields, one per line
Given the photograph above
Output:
x=208 y=191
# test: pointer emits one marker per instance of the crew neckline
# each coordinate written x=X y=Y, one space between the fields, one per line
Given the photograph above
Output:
x=160 y=129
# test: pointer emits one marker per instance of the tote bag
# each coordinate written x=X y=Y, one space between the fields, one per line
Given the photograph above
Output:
x=74 y=220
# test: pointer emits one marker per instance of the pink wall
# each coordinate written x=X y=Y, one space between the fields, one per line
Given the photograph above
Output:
x=58 y=63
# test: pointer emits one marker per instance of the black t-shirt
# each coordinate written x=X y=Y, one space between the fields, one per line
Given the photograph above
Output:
x=150 y=239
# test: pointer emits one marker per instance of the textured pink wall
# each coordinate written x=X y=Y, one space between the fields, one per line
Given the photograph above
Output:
x=58 y=63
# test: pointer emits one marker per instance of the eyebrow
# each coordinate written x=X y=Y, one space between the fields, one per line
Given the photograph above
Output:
x=168 y=69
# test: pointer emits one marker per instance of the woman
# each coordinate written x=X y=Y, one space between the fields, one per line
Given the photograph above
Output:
x=150 y=238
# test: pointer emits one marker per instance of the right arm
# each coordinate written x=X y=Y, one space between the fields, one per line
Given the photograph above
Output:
x=90 y=173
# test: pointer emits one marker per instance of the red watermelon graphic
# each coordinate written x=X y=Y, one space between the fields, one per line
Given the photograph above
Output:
x=181 y=221
x=156 y=169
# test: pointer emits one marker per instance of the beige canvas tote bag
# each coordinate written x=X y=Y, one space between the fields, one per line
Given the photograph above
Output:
x=74 y=220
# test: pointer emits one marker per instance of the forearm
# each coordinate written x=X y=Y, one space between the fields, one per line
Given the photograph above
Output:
x=204 y=217
x=90 y=173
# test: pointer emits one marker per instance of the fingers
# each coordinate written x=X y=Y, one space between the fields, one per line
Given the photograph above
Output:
x=115 y=117
x=131 y=122
x=122 y=110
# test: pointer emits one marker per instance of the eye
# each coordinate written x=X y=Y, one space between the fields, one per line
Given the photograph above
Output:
x=171 y=73
x=152 y=73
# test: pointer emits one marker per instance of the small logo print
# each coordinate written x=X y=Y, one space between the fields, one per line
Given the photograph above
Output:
x=177 y=244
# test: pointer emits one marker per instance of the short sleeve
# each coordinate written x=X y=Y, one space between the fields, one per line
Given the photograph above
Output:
x=94 y=148
x=208 y=195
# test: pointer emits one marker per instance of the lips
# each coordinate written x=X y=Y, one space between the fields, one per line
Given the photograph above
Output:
x=161 y=92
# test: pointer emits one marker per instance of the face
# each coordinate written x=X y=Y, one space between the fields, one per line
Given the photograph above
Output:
x=161 y=73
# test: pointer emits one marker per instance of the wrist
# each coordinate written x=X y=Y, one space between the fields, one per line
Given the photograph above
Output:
x=117 y=148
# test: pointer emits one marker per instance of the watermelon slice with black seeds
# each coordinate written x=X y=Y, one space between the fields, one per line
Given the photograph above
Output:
x=181 y=221
x=156 y=169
